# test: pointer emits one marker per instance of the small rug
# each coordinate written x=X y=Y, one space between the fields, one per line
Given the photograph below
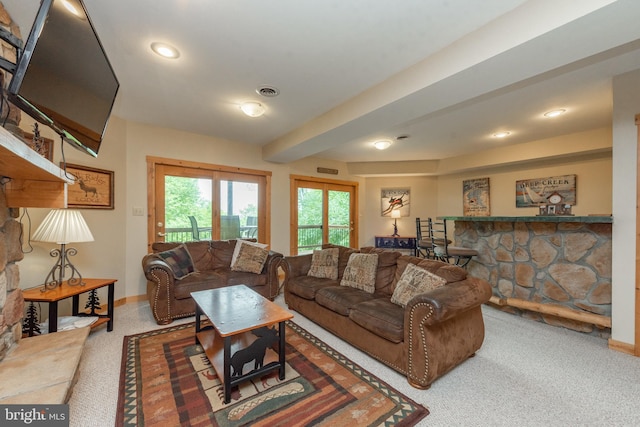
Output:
x=167 y=380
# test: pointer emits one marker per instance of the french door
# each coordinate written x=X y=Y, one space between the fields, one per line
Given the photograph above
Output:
x=322 y=211
x=195 y=201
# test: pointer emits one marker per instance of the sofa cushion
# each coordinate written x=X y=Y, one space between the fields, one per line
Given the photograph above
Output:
x=341 y=298
x=221 y=252
x=307 y=286
x=199 y=281
x=380 y=316
x=324 y=264
x=180 y=261
x=360 y=272
x=386 y=271
x=414 y=281
x=250 y=258
x=344 y=253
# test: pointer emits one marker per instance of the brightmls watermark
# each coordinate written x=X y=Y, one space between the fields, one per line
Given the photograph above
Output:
x=34 y=415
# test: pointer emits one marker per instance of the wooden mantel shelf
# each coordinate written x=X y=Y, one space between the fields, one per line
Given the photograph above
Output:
x=34 y=182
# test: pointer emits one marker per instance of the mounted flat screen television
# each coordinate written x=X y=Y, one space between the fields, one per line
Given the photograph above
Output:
x=63 y=77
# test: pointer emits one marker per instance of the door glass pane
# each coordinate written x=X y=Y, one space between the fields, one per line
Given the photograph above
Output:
x=185 y=198
x=309 y=220
x=339 y=221
x=238 y=210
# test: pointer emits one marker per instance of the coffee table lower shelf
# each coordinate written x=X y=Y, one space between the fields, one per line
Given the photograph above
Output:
x=214 y=348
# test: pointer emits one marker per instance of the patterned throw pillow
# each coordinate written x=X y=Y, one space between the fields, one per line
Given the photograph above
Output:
x=239 y=243
x=324 y=264
x=251 y=259
x=414 y=281
x=180 y=261
x=360 y=272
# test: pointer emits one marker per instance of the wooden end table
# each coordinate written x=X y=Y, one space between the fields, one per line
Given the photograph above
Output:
x=64 y=291
x=235 y=312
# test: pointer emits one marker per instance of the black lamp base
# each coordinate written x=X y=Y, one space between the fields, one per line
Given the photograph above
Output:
x=395 y=228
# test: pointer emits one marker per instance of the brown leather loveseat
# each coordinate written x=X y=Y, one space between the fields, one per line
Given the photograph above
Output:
x=208 y=265
x=435 y=331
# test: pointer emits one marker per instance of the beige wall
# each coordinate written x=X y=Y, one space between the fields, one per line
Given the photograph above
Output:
x=121 y=236
x=593 y=186
x=423 y=202
x=626 y=97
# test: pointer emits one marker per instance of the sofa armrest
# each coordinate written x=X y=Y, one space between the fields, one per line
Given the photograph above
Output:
x=444 y=327
x=160 y=287
x=270 y=269
x=448 y=301
x=295 y=266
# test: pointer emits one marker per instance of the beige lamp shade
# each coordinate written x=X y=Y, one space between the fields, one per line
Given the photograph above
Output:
x=395 y=213
x=63 y=226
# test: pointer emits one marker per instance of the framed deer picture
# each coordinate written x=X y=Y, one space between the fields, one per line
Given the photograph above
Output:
x=93 y=188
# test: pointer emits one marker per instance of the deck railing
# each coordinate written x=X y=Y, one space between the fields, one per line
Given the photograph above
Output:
x=309 y=236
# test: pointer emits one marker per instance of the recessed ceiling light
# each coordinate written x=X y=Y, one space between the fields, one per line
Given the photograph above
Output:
x=165 y=50
x=501 y=134
x=252 y=109
x=383 y=144
x=555 y=113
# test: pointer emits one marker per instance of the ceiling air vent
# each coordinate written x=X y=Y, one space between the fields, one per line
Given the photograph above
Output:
x=268 y=91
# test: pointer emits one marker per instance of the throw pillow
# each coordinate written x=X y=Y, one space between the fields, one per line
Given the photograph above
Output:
x=324 y=264
x=360 y=272
x=414 y=281
x=239 y=244
x=251 y=259
x=180 y=261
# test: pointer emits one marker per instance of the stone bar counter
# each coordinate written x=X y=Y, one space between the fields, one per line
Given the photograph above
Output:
x=554 y=269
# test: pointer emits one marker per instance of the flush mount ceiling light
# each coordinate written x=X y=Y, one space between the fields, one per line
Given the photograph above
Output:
x=555 y=113
x=252 y=109
x=383 y=144
x=501 y=134
x=165 y=50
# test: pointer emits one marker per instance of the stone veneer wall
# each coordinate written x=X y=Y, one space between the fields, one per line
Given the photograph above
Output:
x=11 y=299
x=565 y=263
x=11 y=118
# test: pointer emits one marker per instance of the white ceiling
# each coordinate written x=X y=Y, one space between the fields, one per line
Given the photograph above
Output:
x=448 y=73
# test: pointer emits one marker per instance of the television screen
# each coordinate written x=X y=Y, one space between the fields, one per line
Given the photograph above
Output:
x=63 y=77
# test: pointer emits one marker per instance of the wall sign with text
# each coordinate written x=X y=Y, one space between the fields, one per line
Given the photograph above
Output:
x=93 y=188
x=536 y=192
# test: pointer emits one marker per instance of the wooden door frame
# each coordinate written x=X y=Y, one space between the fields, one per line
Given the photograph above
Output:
x=293 y=205
x=153 y=162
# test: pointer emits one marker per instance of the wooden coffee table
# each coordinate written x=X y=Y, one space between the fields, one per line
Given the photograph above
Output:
x=241 y=333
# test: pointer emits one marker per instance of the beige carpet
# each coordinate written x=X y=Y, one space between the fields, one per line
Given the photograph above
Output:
x=526 y=374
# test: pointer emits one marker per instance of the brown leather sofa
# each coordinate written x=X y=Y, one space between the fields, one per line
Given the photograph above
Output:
x=171 y=299
x=435 y=332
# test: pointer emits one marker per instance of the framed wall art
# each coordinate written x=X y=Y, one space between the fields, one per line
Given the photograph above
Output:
x=93 y=188
x=395 y=199
x=475 y=197
x=542 y=191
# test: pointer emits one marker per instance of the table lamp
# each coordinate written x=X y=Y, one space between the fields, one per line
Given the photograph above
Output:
x=395 y=214
x=63 y=226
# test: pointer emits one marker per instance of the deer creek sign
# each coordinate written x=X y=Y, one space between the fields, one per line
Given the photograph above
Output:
x=93 y=188
x=536 y=192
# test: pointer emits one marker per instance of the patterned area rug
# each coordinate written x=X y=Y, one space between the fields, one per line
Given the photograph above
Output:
x=166 y=380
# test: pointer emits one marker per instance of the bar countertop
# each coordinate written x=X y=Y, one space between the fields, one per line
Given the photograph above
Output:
x=599 y=219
